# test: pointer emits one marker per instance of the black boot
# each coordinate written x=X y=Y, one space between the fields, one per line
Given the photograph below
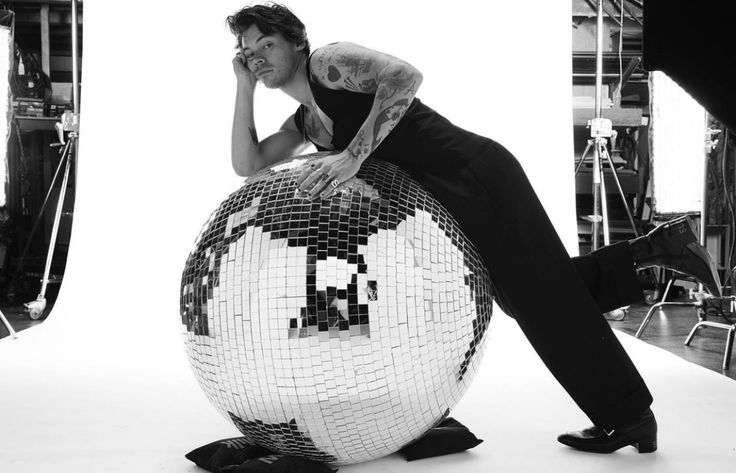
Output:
x=640 y=433
x=674 y=245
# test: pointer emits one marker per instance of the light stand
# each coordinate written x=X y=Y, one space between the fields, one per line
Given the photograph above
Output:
x=702 y=299
x=5 y=61
x=702 y=316
x=600 y=130
x=69 y=124
x=7 y=325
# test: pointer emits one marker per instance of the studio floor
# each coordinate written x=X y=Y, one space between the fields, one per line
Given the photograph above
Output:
x=668 y=330
x=75 y=402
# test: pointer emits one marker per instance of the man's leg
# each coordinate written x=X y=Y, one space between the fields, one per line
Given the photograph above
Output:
x=609 y=272
x=610 y=276
x=537 y=282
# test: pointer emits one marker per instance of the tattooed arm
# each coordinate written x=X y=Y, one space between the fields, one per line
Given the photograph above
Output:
x=248 y=154
x=394 y=82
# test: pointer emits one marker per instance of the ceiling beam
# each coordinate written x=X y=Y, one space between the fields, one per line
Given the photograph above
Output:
x=588 y=8
x=56 y=17
x=631 y=14
x=22 y=3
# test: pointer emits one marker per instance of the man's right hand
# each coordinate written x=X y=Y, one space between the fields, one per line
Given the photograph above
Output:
x=242 y=73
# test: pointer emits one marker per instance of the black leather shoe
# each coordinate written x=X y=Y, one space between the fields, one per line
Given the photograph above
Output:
x=640 y=433
x=674 y=245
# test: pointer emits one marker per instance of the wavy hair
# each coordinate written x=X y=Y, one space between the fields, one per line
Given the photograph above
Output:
x=269 y=18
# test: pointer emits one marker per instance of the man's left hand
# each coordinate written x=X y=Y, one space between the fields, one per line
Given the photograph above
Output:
x=326 y=175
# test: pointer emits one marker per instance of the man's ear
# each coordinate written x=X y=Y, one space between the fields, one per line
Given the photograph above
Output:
x=300 y=47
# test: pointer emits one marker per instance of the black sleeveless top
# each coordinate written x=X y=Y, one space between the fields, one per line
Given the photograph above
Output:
x=422 y=142
x=456 y=166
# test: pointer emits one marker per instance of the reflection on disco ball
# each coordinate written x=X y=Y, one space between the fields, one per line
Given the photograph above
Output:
x=337 y=330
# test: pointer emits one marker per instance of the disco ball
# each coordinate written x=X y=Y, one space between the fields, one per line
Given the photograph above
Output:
x=337 y=330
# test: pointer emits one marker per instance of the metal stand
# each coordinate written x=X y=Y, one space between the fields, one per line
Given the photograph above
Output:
x=699 y=304
x=699 y=295
x=660 y=305
x=600 y=129
x=731 y=327
x=69 y=123
x=35 y=308
x=729 y=339
x=7 y=325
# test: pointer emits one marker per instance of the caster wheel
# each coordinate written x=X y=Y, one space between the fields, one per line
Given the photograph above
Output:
x=617 y=314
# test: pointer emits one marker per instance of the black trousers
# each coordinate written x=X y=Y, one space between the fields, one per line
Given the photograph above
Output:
x=557 y=300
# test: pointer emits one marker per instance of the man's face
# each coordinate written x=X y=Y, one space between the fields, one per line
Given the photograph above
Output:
x=271 y=58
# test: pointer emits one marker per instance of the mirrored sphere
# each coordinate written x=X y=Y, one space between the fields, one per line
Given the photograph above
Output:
x=339 y=329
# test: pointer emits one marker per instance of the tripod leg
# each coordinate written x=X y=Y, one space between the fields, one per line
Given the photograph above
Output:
x=600 y=149
x=597 y=193
x=40 y=214
x=36 y=308
x=621 y=192
x=582 y=158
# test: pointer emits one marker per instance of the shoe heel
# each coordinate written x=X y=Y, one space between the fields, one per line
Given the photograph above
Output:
x=648 y=445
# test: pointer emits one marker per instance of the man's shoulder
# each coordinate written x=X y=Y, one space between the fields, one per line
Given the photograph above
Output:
x=337 y=58
x=326 y=59
x=349 y=66
x=333 y=52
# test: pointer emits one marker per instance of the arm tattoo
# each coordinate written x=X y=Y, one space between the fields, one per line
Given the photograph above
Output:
x=393 y=81
x=333 y=74
x=359 y=148
x=367 y=86
x=383 y=94
x=355 y=65
x=353 y=68
x=396 y=79
x=313 y=127
x=388 y=118
x=253 y=135
x=335 y=66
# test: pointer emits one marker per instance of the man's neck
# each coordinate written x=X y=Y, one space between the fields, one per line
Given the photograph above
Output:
x=298 y=87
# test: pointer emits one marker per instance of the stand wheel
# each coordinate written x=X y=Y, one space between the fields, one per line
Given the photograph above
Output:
x=35 y=309
x=617 y=314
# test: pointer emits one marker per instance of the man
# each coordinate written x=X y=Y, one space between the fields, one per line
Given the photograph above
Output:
x=357 y=103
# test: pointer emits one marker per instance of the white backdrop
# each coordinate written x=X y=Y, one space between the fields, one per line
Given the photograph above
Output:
x=154 y=162
x=157 y=108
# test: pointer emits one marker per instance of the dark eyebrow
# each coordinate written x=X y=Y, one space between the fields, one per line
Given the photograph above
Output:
x=259 y=39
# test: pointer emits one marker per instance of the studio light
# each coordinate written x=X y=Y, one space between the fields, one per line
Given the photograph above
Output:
x=678 y=126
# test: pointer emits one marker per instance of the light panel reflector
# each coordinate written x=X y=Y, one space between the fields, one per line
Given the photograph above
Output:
x=677 y=140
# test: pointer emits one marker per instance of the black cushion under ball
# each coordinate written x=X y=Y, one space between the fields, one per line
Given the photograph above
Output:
x=234 y=451
x=449 y=436
x=236 y=455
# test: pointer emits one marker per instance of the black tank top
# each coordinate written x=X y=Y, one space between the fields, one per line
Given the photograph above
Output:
x=422 y=142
